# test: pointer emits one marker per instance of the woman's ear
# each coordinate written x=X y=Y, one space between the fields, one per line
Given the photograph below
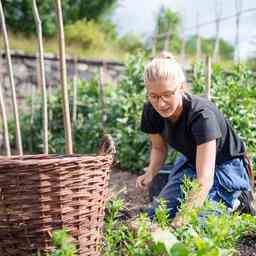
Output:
x=184 y=87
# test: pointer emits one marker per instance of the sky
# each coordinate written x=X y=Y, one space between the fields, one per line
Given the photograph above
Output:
x=138 y=16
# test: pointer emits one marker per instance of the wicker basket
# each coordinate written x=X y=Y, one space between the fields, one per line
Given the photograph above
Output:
x=42 y=193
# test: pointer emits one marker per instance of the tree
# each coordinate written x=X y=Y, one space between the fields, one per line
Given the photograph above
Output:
x=131 y=43
x=19 y=15
x=167 y=29
x=226 y=50
x=167 y=20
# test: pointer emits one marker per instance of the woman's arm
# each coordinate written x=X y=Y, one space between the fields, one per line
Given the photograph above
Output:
x=205 y=166
x=158 y=154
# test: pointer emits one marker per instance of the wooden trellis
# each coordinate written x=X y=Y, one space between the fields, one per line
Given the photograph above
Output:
x=11 y=79
x=75 y=83
x=42 y=75
x=42 y=193
x=63 y=72
x=5 y=125
x=208 y=77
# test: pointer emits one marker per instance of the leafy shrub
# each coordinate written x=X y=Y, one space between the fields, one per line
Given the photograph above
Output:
x=62 y=244
x=120 y=240
x=85 y=131
x=206 y=232
x=235 y=94
x=198 y=85
x=125 y=116
x=123 y=105
x=85 y=33
x=130 y=43
x=19 y=14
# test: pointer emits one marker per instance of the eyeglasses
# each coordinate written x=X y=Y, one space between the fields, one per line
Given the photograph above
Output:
x=166 y=97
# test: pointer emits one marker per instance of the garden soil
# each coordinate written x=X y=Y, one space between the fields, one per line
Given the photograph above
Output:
x=122 y=184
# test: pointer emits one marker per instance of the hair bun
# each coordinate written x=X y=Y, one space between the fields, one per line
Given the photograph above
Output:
x=165 y=55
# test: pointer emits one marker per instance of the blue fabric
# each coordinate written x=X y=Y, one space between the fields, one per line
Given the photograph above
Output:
x=229 y=180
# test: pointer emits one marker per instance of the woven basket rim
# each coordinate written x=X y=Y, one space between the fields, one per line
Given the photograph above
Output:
x=49 y=158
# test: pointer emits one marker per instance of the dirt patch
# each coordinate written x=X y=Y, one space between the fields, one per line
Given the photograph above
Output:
x=247 y=246
x=122 y=183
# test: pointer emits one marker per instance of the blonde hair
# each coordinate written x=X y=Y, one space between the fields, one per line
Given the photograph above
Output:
x=164 y=67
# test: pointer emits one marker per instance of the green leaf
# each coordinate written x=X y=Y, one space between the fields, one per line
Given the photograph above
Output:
x=179 y=249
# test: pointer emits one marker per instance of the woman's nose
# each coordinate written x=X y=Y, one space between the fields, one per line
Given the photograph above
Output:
x=161 y=102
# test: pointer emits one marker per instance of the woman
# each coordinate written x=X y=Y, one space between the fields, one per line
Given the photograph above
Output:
x=211 y=150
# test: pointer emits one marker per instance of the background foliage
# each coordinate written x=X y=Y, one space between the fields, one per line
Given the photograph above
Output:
x=234 y=93
x=91 y=33
x=123 y=104
x=207 y=46
x=19 y=15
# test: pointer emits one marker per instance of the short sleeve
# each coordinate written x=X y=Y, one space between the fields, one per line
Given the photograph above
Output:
x=205 y=127
x=151 y=121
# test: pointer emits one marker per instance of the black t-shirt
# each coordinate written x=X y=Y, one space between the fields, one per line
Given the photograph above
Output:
x=200 y=122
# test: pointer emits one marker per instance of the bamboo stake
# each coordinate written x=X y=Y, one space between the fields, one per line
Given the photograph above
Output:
x=239 y=7
x=218 y=12
x=198 y=39
x=63 y=71
x=50 y=101
x=153 y=52
x=183 y=49
x=4 y=117
x=75 y=93
x=208 y=77
x=11 y=78
x=167 y=40
x=42 y=81
x=33 y=94
x=102 y=101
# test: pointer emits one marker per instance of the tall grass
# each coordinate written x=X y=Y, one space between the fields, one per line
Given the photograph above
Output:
x=28 y=45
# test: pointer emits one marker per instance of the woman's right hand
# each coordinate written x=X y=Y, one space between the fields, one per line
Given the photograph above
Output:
x=144 y=181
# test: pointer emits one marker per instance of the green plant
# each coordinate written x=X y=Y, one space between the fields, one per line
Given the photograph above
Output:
x=119 y=240
x=62 y=244
x=235 y=95
x=168 y=21
x=86 y=129
x=210 y=231
x=198 y=84
x=161 y=214
x=115 y=232
x=131 y=43
x=226 y=50
x=123 y=106
x=85 y=33
x=19 y=15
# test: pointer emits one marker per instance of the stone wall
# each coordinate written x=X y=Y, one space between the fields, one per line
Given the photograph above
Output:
x=25 y=73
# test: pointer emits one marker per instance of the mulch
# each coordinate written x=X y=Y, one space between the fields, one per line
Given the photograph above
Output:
x=247 y=246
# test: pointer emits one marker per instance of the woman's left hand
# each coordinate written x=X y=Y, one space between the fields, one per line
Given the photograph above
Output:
x=177 y=222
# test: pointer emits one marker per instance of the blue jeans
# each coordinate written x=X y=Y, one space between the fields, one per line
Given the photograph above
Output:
x=229 y=180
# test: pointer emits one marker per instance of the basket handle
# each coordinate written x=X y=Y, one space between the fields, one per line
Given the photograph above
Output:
x=107 y=145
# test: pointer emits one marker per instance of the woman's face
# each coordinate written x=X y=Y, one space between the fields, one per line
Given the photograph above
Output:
x=165 y=96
